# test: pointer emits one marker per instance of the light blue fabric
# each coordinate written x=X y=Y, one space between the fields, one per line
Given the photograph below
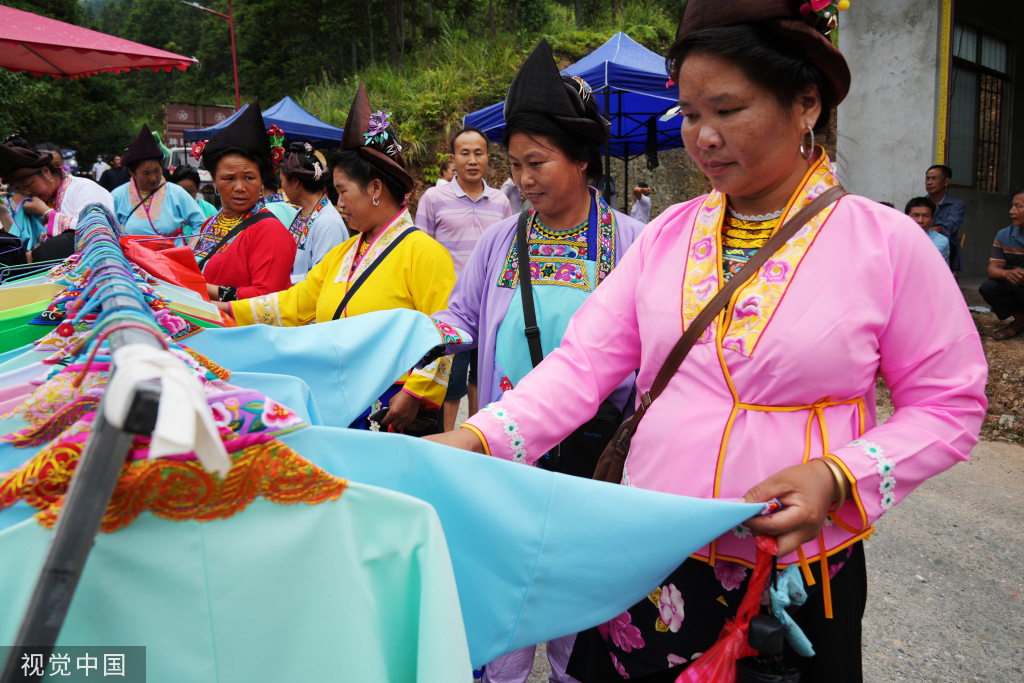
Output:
x=555 y=306
x=285 y=389
x=941 y=243
x=346 y=363
x=208 y=209
x=325 y=233
x=536 y=555
x=178 y=210
x=789 y=590
x=18 y=358
x=26 y=226
x=284 y=212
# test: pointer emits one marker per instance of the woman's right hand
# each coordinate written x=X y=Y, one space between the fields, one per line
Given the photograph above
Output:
x=465 y=439
x=36 y=207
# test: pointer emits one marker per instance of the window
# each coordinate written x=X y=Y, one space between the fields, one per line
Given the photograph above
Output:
x=979 y=90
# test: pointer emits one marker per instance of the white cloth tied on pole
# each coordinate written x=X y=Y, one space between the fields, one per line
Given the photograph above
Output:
x=184 y=422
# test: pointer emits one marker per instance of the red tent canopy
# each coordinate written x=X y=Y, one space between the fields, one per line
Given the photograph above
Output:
x=38 y=45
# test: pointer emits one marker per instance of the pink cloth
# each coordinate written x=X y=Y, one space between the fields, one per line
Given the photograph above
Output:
x=871 y=295
x=451 y=217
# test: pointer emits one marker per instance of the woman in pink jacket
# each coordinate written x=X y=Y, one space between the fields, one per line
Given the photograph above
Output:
x=777 y=399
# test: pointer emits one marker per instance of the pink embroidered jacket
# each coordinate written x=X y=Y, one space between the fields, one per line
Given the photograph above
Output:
x=860 y=291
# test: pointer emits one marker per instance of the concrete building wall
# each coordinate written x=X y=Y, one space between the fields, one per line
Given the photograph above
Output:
x=886 y=126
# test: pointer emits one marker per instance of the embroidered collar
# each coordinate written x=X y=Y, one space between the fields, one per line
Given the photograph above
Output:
x=760 y=218
x=353 y=265
x=216 y=227
x=62 y=189
x=301 y=224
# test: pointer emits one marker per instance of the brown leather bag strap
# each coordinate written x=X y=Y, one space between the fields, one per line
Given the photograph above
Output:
x=721 y=300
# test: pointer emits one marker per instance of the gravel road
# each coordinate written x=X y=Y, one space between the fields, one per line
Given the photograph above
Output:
x=945 y=578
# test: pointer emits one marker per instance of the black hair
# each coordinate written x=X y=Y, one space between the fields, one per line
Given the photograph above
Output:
x=947 y=172
x=1020 y=190
x=889 y=204
x=468 y=129
x=186 y=172
x=642 y=184
x=298 y=163
x=764 y=56
x=447 y=163
x=15 y=140
x=47 y=147
x=574 y=145
x=920 y=203
x=356 y=167
x=264 y=164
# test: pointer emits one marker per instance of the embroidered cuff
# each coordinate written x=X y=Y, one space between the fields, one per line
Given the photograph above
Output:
x=516 y=442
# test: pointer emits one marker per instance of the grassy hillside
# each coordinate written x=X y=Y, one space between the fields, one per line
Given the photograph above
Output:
x=460 y=73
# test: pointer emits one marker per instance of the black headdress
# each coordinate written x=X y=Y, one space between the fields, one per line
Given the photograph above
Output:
x=538 y=88
x=16 y=158
x=247 y=133
x=143 y=148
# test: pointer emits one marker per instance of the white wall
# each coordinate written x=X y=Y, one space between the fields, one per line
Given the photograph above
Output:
x=886 y=127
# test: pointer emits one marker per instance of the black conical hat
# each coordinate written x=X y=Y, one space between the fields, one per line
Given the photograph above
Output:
x=538 y=88
x=248 y=133
x=144 y=147
x=382 y=150
x=15 y=158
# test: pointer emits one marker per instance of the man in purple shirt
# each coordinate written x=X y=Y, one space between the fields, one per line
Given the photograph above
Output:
x=456 y=214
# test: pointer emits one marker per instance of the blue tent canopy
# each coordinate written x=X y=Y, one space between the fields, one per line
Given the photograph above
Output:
x=297 y=124
x=629 y=83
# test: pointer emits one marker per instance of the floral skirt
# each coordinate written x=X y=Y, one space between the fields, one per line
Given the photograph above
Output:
x=658 y=637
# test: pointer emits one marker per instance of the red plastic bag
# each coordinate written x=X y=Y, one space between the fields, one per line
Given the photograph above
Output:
x=176 y=265
x=718 y=663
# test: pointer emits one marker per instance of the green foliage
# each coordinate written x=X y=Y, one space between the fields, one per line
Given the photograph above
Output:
x=316 y=51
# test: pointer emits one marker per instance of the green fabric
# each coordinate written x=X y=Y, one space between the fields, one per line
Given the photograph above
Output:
x=359 y=589
x=197 y=321
x=34 y=308
x=15 y=332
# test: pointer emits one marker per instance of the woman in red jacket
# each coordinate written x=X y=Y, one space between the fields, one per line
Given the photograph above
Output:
x=244 y=250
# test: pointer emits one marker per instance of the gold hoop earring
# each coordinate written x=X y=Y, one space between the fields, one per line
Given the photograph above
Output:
x=807 y=153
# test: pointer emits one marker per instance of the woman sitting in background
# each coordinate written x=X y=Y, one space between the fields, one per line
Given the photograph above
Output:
x=147 y=205
x=53 y=196
x=244 y=250
x=389 y=264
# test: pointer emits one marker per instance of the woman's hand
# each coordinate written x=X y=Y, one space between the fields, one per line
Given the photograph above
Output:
x=403 y=409
x=213 y=291
x=807 y=491
x=223 y=305
x=464 y=439
x=36 y=207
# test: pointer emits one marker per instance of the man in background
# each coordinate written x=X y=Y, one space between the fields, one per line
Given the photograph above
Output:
x=1004 y=288
x=115 y=176
x=642 y=205
x=949 y=211
x=922 y=210
x=98 y=168
x=456 y=214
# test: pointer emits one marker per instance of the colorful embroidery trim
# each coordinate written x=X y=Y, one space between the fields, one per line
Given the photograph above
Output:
x=449 y=335
x=301 y=224
x=886 y=470
x=175 y=489
x=516 y=441
x=265 y=310
x=560 y=258
x=760 y=297
x=351 y=269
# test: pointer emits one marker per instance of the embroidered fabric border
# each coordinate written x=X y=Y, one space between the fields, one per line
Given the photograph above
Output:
x=510 y=427
x=756 y=303
x=886 y=470
x=547 y=247
x=346 y=273
x=265 y=310
x=301 y=224
x=449 y=335
x=155 y=202
x=438 y=371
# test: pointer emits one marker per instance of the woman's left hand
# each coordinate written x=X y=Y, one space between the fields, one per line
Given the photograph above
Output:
x=807 y=491
x=403 y=409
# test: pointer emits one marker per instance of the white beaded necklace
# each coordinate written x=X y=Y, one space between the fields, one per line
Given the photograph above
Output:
x=755 y=219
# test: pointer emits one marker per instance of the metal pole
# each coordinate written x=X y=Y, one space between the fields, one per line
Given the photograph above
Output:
x=86 y=502
x=234 y=54
x=607 y=190
x=626 y=181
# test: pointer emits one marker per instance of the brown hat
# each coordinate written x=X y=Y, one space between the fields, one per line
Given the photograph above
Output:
x=143 y=148
x=371 y=134
x=14 y=159
x=804 y=28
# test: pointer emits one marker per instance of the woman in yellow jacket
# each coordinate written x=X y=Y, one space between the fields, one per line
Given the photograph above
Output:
x=389 y=264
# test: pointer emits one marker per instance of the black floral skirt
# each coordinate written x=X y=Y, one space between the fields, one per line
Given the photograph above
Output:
x=655 y=639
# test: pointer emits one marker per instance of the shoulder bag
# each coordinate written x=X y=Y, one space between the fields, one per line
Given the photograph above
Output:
x=613 y=459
